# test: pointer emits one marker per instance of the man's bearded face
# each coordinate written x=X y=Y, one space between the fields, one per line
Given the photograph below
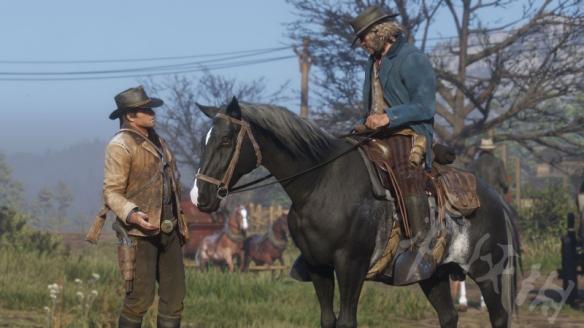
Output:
x=373 y=44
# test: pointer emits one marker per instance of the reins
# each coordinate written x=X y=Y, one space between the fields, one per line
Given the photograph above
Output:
x=243 y=188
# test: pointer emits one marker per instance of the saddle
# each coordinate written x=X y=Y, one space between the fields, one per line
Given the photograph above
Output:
x=454 y=189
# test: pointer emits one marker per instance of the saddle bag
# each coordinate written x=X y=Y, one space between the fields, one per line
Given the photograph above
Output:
x=458 y=189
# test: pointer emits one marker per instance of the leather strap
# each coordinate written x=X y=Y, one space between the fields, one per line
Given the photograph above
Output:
x=244 y=130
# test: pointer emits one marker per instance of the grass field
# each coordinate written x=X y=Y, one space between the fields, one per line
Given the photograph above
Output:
x=91 y=293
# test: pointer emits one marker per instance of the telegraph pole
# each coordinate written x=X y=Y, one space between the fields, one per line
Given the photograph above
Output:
x=305 y=62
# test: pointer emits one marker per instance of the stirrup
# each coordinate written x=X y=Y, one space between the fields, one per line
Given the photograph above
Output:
x=411 y=267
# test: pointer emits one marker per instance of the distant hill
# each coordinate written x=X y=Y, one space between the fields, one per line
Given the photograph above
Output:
x=80 y=167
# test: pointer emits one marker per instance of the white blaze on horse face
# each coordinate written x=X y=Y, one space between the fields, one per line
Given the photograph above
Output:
x=244 y=223
x=208 y=136
x=195 y=192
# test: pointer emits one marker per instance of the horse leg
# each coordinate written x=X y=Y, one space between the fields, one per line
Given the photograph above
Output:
x=437 y=290
x=246 y=261
x=281 y=261
x=351 y=274
x=498 y=315
x=270 y=263
x=323 y=280
x=229 y=261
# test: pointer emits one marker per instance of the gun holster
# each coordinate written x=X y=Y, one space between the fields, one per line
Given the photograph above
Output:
x=126 y=255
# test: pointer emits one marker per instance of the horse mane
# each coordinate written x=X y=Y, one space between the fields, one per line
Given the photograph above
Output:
x=299 y=136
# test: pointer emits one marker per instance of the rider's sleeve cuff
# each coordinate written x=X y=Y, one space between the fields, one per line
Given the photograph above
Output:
x=132 y=210
x=394 y=118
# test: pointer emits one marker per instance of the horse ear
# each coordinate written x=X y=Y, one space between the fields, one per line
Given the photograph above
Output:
x=233 y=108
x=209 y=111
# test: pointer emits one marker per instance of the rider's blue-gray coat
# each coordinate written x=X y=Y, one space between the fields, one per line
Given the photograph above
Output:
x=409 y=84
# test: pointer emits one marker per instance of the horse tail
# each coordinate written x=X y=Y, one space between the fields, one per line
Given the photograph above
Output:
x=513 y=266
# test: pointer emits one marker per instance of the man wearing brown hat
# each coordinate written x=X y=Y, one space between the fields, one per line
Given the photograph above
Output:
x=141 y=189
x=399 y=94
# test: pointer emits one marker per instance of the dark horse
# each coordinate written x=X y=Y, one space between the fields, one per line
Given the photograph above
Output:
x=267 y=248
x=335 y=218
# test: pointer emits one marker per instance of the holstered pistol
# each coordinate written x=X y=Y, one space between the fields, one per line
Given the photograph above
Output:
x=126 y=255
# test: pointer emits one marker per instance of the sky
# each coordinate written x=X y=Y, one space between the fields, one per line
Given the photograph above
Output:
x=42 y=115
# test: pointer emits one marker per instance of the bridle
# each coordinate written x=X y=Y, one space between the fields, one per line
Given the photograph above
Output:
x=223 y=184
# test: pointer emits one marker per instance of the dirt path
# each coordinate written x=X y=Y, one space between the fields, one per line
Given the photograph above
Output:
x=474 y=318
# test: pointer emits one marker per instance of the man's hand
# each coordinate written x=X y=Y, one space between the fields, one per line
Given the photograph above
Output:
x=375 y=121
x=141 y=219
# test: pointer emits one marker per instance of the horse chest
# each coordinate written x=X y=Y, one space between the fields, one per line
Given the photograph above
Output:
x=459 y=249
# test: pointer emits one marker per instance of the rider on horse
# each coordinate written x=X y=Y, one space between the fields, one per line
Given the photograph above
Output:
x=399 y=95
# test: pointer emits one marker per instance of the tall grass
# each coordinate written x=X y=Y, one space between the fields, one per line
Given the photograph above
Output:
x=214 y=298
x=543 y=251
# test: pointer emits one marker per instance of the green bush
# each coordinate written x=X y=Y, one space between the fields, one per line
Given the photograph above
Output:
x=16 y=234
x=547 y=213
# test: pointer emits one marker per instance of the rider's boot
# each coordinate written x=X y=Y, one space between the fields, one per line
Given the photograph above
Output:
x=299 y=270
x=417 y=262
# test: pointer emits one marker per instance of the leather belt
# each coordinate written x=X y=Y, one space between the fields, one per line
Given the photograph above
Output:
x=167 y=226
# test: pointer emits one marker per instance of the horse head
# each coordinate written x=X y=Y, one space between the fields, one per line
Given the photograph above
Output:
x=229 y=152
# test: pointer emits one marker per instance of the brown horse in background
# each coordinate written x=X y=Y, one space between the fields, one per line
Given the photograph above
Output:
x=221 y=247
x=268 y=248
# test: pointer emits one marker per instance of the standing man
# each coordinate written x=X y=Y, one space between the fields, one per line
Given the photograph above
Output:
x=490 y=168
x=141 y=188
x=399 y=94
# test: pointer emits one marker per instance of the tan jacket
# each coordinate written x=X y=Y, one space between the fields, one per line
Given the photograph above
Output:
x=133 y=178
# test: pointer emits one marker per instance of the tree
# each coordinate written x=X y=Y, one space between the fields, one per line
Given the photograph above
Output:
x=63 y=199
x=184 y=126
x=11 y=192
x=16 y=234
x=43 y=210
x=182 y=123
x=514 y=77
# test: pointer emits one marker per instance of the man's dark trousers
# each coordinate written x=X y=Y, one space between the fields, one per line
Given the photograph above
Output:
x=158 y=259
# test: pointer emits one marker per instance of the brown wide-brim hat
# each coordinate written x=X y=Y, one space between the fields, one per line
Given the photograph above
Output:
x=369 y=17
x=132 y=99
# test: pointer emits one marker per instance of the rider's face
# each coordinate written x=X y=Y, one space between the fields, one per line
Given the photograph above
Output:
x=372 y=44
